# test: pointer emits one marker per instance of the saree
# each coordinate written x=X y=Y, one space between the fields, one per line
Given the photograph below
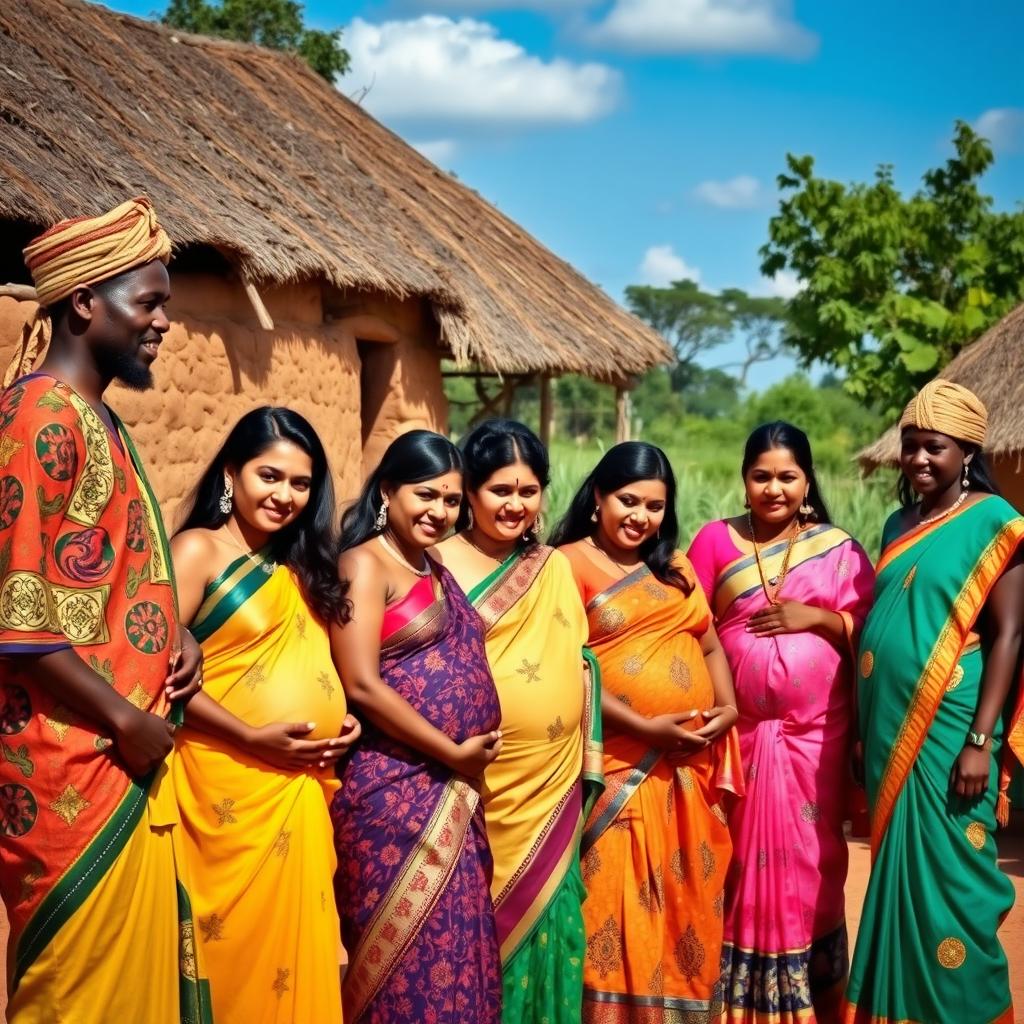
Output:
x=87 y=868
x=257 y=840
x=413 y=880
x=784 y=956
x=656 y=844
x=537 y=791
x=927 y=950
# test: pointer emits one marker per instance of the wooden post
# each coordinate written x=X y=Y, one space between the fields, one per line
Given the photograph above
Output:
x=547 y=411
x=256 y=302
x=621 y=414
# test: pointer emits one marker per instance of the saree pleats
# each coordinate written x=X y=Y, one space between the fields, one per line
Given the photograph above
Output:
x=413 y=881
x=785 y=950
x=534 y=792
x=927 y=951
x=656 y=844
x=257 y=841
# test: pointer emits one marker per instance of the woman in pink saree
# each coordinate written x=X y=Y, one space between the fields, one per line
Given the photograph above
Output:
x=789 y=592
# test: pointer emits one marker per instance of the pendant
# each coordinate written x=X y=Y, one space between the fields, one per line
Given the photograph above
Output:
x=269 y=568
x=773 y=580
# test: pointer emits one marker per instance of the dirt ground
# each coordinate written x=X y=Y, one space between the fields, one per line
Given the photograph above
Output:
x=1011 y=847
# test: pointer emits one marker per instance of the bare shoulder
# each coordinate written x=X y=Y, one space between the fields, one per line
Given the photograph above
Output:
x=193 y=547
x=364 y=561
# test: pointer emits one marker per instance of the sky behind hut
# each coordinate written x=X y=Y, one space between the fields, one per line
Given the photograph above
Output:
x=640 y=139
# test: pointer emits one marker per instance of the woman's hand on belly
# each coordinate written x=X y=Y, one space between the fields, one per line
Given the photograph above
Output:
x=669 y=732
x=719 y=720
x=280 y=744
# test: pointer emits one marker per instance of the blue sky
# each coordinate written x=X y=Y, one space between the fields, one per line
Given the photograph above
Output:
x=640 y=139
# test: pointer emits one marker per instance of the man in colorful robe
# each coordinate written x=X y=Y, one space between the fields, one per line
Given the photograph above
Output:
x=93 y=667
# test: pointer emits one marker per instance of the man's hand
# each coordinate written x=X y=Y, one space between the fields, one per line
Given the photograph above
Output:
x=185 y=669
x=142 y=740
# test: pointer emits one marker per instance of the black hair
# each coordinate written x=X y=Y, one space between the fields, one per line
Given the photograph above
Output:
x=979 y=475
x=780 y=434
x=307 y=544
x=410 y=459
x=620 y=466
x=495 y=444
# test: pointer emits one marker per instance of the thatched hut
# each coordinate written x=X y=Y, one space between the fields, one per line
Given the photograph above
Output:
x=993 y=368
x=319 y=261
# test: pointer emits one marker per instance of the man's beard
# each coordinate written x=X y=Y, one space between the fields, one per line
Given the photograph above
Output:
x=116 y=364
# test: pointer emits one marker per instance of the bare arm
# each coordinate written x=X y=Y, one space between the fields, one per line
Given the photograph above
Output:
x=356 y=650
x=723 y=715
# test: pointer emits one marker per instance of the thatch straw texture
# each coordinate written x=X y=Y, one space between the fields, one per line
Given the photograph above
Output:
x=249 y=151
x=993 y=368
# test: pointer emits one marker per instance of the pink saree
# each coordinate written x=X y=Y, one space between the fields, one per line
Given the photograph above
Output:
x=785 y=957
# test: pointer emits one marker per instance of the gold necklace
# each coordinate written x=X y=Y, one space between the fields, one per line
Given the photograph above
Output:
x=624 y=569
x=266 y=565
x=772 y=585
x=476 y=547
x=942 y=515
x=401 y=559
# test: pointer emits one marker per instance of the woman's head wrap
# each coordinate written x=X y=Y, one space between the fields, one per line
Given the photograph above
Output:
x=85 y=251
x=949 y=409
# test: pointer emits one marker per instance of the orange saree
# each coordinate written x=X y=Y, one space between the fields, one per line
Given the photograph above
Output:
x=656 y=846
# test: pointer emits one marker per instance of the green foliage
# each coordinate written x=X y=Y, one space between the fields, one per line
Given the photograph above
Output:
x=276 y=24
x=894 y=286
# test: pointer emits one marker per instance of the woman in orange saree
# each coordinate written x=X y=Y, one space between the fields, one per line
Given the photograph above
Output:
x=656 y=846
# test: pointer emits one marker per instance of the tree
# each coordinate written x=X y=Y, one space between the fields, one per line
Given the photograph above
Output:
x=276 y=24
x=760 y=322
x=894 y=286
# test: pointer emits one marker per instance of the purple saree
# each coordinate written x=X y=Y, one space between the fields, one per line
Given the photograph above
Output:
x=413 y=881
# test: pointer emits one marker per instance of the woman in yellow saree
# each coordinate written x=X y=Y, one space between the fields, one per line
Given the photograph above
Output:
x=254 y=767
x=538 y=790
x=656 y=845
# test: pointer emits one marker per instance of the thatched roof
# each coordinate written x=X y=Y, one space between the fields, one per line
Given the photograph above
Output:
x=993 y=368
x=249 y=151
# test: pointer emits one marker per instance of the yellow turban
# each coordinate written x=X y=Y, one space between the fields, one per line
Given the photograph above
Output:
x=949 y=409
x=85 y=251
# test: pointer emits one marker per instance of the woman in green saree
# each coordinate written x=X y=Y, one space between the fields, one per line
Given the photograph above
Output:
x=938 y=657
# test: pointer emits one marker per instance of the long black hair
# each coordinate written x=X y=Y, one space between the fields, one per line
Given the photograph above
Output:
x=410 y=459
x=624 y=464
x=307 y=544
x=495 y=444
x=979 y=475
x=780 y=434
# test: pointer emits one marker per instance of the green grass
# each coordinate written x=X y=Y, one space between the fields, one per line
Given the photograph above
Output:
x=710 y=488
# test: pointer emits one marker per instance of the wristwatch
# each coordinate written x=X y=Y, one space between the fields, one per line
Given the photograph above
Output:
x=977 y=739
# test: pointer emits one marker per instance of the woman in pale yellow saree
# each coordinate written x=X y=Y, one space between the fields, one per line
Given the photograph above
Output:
x=538 y=790
x=254 y=767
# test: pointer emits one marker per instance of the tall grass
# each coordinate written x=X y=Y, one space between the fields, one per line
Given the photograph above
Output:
x=710 y=488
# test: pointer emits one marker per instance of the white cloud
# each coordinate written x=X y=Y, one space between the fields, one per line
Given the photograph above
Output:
x=1003 y=127
x=662 y=265
x=438 y=151
x=544 y=6
x=784 y=285
x=740 y=193
x=705 y=26
x=441 y=70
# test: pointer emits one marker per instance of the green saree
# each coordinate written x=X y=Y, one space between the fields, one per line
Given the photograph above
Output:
x=927 y=951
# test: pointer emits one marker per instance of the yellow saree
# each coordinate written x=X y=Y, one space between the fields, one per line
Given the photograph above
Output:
x=257 y=840
x=548 y=772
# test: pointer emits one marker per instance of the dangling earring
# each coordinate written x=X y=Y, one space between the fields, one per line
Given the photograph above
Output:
x=595 y=514
x=225 y=498
x=967 y=478
x=537 y=527
x=469 y=517
x=382 y=517
x=807 y=509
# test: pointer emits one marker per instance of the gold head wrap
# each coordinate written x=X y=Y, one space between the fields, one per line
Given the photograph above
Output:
x=949 y=409
x=84 y=251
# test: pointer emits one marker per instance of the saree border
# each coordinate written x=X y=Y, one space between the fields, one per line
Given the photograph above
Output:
x=552 y=871
x=80 y=878
x=732 y=582
x=428 y=617
x=905 y=541
x=713 y=1005
x=608 y=808
x=931 y=684
x=417 y=888
x=593 y=734
x=853 y=1014
x=517 y=574
x=628 y=580
x=239 y=581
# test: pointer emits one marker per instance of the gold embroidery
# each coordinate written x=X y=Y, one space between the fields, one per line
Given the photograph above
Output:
x=530 y=671
x=590 y=864
x=843 y=568
x=719 y=812
x=29 y=604
x=685 y=777
x=60 y=721
x=976 y=834
x=254 y=676
x=80 y=613
x=223 y=812
x=280 y=985
x=560 y=617
x=909 y=578
x=679 y=672
x=951 y=953
x=69 y=805
x=282 y=844
x=956 y=678
x=867 y=664
x=23 y=602
x=655 y=591
x=718 y=905
x=8 y=449
x=633 y=665
x=656 y=986
x=689 y=954
x=556 y=729
x=325 y=684
x=212 y=928
x=95 y=482
x=300 y=625
x=675 y=865
x=604 y=948
x=810 y=812
x=139 y=697
x=187 y=950
x=707 y=859
x=609 y=619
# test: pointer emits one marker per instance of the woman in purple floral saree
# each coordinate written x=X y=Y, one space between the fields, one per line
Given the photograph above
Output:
x=413 y=881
